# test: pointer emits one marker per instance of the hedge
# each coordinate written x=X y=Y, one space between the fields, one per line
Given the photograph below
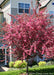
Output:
x=46 y=69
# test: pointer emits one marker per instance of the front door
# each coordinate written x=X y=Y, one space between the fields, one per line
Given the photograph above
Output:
x=2 y=57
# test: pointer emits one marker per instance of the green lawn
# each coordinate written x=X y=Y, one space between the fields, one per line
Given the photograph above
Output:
x=47 y=70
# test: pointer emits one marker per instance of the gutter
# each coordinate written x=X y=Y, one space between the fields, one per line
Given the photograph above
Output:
x=3 y=3
x=45 y=5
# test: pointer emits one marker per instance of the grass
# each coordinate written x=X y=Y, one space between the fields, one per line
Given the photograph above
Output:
x=45 y=70
x=15 y=72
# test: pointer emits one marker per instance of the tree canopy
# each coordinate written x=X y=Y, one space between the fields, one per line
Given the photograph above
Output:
x=29 y=35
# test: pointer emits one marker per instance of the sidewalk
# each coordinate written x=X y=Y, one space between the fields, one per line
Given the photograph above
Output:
x=3 y=68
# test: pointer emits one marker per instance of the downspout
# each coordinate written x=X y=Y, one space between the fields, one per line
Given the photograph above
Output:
x=10 y=46
x=10 y=10
x=5 y=57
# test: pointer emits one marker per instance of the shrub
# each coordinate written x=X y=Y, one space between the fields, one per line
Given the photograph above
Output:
x=34 y=63
x=43 y=69
x=50 y=63
x=42 y=63
x=35 y=66
x=20 y=64
x=23 y=64
x=11 y=64
x=17 y=64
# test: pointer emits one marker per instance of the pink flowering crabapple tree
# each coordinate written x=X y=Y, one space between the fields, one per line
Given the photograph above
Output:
x=30 y=34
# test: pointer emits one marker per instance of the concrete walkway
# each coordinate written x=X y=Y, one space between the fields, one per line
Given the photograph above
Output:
x=3 y=68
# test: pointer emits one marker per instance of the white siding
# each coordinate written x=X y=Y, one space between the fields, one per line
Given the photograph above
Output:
x=50 y=7
x=14 y=3
x=6 y=10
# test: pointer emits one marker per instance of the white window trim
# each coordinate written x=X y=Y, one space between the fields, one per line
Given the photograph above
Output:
x=24 y=8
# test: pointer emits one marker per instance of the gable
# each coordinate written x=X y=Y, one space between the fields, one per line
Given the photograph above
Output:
x=44 y=3
x=50 y=6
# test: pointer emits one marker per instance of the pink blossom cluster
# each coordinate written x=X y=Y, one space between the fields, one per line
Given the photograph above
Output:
x=30 y=34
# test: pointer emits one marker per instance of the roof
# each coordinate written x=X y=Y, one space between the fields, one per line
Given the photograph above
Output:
x=2 y=2
x=44 y=3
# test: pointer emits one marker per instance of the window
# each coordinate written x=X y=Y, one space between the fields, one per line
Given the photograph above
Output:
x=53 y=3
x=23 y=7
x=51 y=13
x=52 y=16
